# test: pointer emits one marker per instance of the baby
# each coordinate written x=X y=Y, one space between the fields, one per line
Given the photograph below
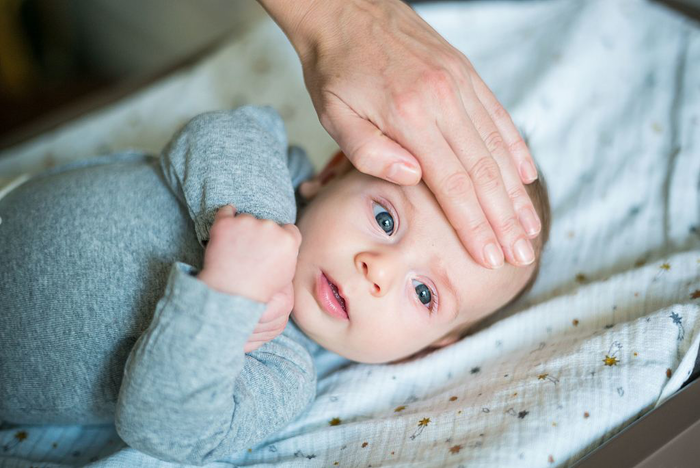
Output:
x=381 y=274
x=112 y=310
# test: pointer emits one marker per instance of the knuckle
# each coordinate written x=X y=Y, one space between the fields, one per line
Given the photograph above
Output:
x=455 y=62
x=268 y=225
x=486 y=174
x=465 y=82
x=290 y=239
x=509 y=225
x=457 y=185
x=267 y=336
x=518 y=146
x=438 y=80
x=284 y=322
x=494 y=142
x=499 y=112
x=517 y=193
x=244 y=219
x=479 y=229
x=407 y=106
x=246 y=223
x=362 y=158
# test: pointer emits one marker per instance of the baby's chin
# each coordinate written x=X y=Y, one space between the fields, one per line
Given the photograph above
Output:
x=355 y=355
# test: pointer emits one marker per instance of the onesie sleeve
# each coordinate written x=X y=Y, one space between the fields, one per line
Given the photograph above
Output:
x=189 y=393
x=237 y=157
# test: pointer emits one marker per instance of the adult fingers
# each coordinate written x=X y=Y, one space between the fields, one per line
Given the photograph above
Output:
x=454 y=190
x=485 y=174
x=369 y=150
x=511 y=136
x=495 y=144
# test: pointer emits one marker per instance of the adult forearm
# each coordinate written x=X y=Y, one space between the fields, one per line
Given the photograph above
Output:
x=310 y=24
x=298 y=19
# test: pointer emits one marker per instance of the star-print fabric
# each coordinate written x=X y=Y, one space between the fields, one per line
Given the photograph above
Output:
x=608 y=95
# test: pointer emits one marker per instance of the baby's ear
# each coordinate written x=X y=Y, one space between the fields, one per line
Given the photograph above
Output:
x=336 y=167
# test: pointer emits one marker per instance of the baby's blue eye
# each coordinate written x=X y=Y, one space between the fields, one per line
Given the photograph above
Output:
x=424 y=294
x=384 y=218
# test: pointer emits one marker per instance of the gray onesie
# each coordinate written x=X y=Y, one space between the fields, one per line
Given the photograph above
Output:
x=101 y=318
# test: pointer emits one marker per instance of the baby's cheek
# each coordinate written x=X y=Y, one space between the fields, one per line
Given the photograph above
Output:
x=386 y=342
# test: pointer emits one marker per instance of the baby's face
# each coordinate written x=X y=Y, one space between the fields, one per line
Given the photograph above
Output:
x=404 y=279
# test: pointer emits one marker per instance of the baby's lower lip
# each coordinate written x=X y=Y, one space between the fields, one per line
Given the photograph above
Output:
x=327 y=299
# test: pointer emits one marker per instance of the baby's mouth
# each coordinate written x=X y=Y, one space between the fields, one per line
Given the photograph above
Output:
x=336 y=293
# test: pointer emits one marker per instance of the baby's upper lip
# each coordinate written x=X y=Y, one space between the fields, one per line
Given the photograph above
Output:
x=340 y=291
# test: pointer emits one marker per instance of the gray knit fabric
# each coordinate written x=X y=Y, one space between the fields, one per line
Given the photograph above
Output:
x=97 y=264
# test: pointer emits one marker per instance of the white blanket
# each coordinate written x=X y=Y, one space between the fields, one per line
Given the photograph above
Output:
x=609 y=96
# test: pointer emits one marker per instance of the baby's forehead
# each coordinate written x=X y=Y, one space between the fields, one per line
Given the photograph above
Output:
x=426 y=222
x=425 y=209
x=473 y=283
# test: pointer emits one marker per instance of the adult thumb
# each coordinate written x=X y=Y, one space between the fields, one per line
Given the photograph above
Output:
x=371 y=151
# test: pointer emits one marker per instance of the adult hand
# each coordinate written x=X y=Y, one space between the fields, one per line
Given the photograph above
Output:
x=402 y=103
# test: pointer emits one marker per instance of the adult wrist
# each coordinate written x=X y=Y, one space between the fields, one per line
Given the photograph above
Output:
x=306 y=23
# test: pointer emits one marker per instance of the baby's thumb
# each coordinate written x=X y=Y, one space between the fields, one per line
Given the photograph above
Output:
x=371 y=151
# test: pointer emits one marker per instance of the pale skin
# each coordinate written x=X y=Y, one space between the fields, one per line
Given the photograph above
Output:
x=233 y=265
x=377 y=272
x=405 y=105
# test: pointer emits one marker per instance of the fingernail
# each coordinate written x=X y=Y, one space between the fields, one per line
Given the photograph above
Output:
x=523 y=252
x=493 y=255
x=529 y=220
x=528 y=171
x=401 y=173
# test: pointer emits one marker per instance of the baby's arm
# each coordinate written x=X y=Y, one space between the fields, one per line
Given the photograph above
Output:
x=240 y=158
x=231 y=157
x=189 y=393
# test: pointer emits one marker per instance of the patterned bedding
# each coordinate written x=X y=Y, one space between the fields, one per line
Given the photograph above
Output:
x=608 y=95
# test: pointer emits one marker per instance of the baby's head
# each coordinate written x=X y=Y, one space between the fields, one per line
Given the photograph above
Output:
x=382 y=275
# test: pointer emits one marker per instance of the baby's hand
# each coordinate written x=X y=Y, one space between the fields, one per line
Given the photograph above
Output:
x=249 y=257
x=273 y=320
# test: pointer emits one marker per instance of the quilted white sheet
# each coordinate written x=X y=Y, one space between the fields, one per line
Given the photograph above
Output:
x=609 y=95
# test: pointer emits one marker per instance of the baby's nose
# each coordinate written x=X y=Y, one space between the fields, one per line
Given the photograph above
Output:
x=378 y=269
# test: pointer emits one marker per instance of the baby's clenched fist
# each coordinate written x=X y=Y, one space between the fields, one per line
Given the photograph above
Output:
x=249 y=257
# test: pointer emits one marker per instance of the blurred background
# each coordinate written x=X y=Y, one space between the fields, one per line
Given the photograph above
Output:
x=62 y=58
